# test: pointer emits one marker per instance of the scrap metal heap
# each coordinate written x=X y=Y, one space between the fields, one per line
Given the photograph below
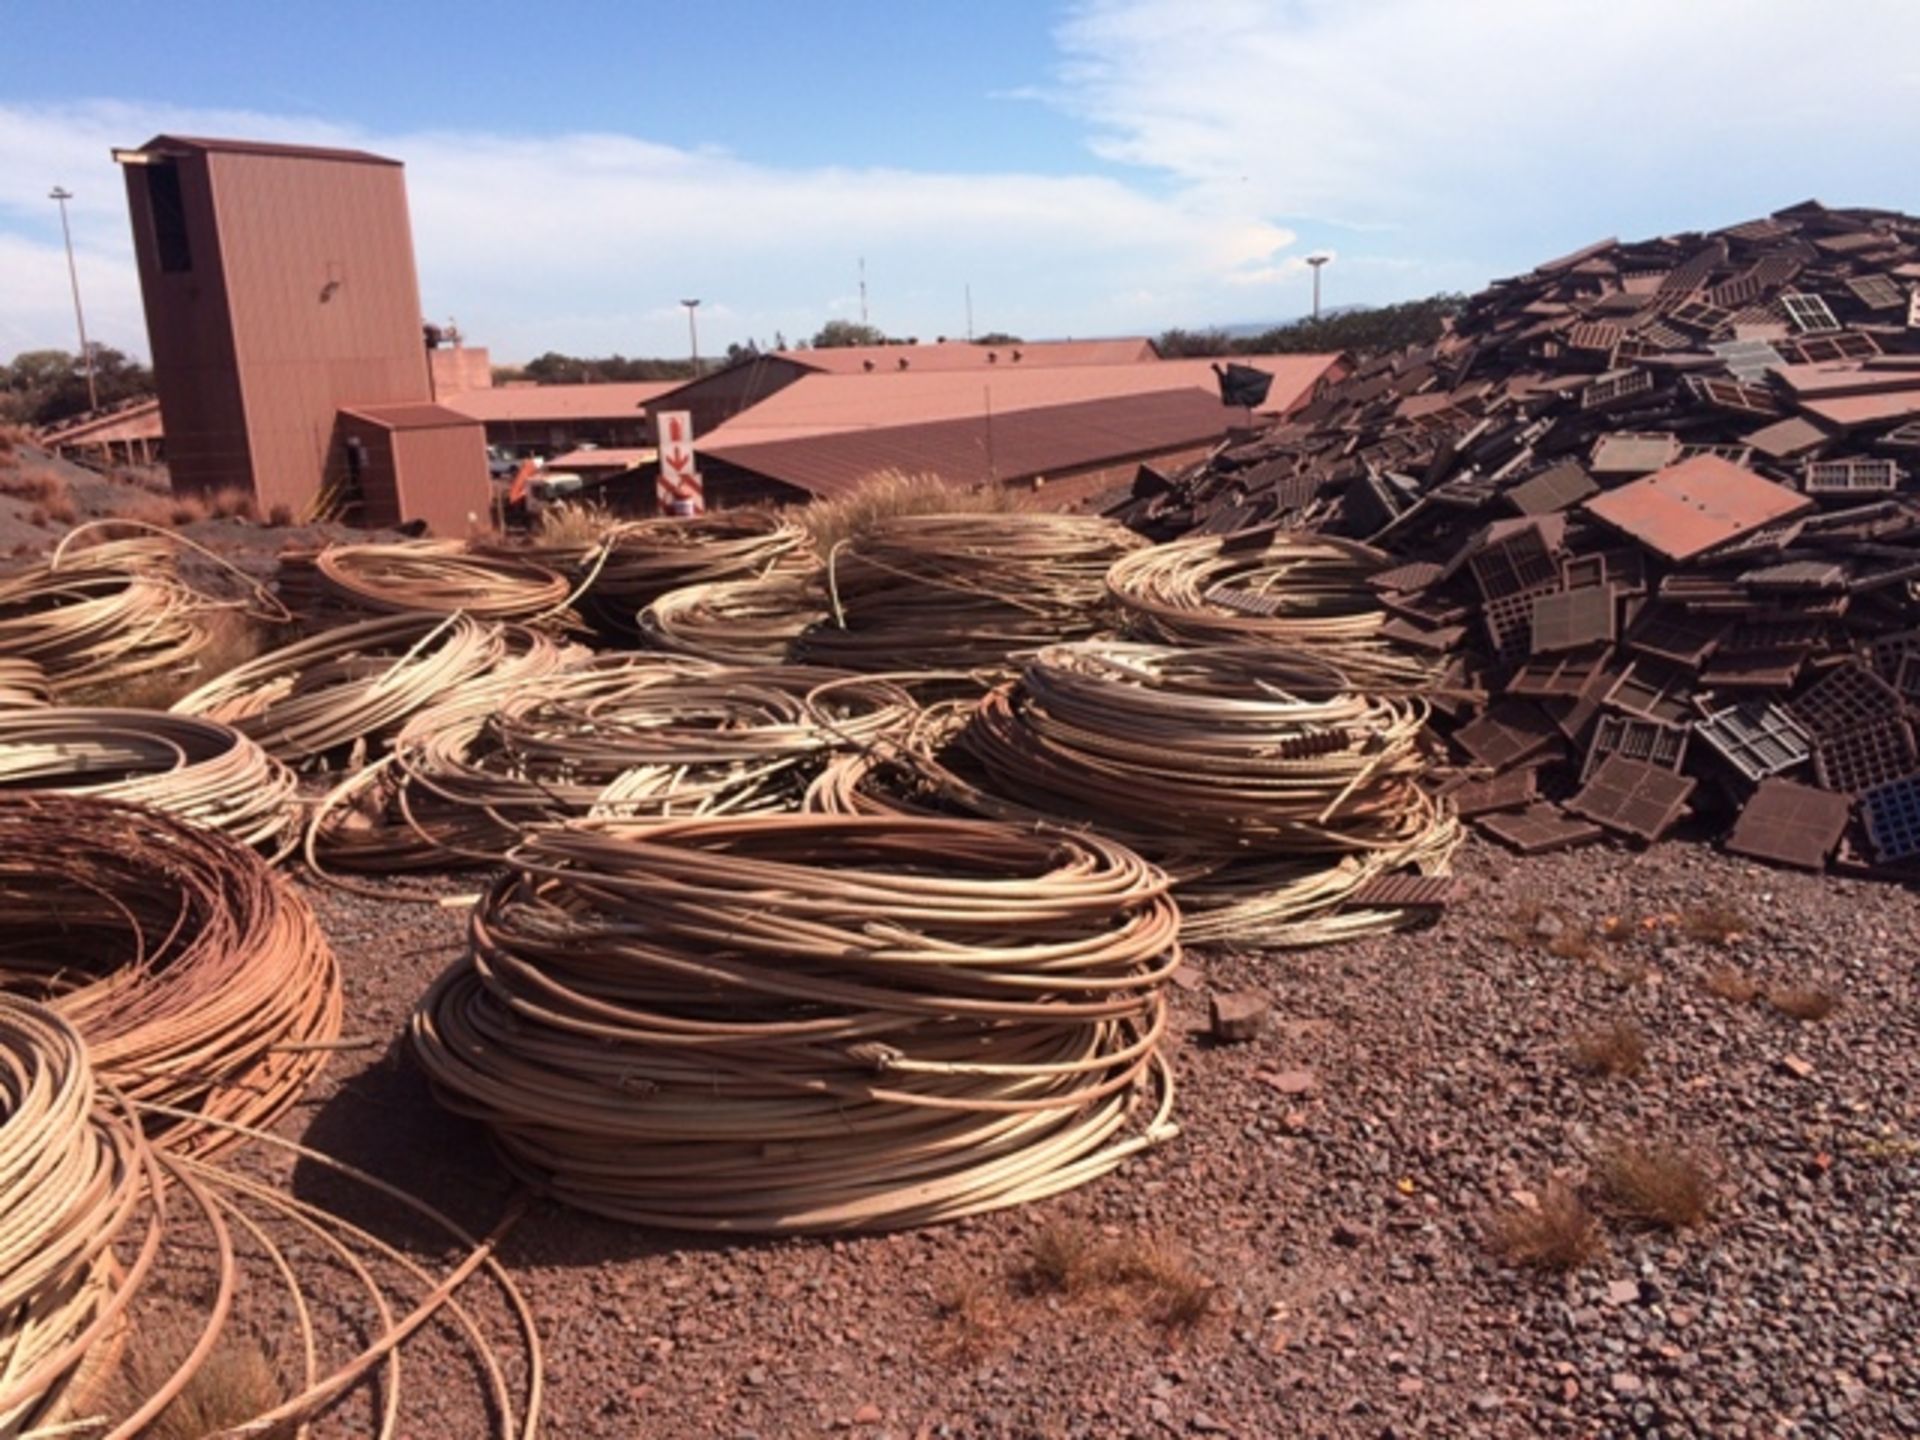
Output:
x=1653 y=508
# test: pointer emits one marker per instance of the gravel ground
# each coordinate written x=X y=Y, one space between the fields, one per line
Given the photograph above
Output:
x=1335 y=1184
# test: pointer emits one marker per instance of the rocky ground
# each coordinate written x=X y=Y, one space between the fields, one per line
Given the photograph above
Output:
x=1312 y=1256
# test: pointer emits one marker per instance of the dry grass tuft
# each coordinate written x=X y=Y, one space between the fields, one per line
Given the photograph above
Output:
x=1559 y=1233
x=1665 y=1186
x=237 y=1382
x=231 y=502
x=12 y=439
x=891 y=493
x=1731 y=984
x=575 y=523
x=149 y=510
x=973 y=1317
x=1573 y=943
x=186 y=509
x=1611 y=1050
x=232 y=640
x=1142 y=1275
x=1714 y=924
x=1803 y=1002
x=41 y=487
x=281 y=514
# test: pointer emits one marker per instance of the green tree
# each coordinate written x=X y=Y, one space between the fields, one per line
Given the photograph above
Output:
x=41 y=387
x=839 y=333
x=1362 y=331
x=553 y=368
x=1185 y=344
x=999 y=337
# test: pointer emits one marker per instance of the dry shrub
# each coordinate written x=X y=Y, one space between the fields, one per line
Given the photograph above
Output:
x=237 y=1382
x=1068 y=1259
x=1573 y=943
x=1730 y=984
x=890 y=493
x=1713 y=924
x=186 y=509
x=1665 y=1186
x=1610 y=1050
x=232 y=640
x=973 y=1317
x=12 y=439
x=148 y=510
x=231 y=502
x=42 y=487
x=38 y=517
x=1558 y=1233
x=280 y=514
x=1803 y=1002
x=575 y=523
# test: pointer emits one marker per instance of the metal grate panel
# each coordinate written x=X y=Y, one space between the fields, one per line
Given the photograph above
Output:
x=1507 y=734
x=1847 y=697
x=1892 y=813
x=1572 y=619
x=1648 y=740
x=1855 y=762
x=1539 y=828
x=1809 y=313
x=1757 y=739
x=1633 y=797
x=1849 y=477
x=1791 y=824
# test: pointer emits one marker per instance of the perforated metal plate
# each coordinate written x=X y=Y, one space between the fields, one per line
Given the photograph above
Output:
x=1539 y=828
x=1507 y=734
x=1847 y=697
x=1854 y=762
x=1512 y=791
x=1633 y=797
x=1791 y=824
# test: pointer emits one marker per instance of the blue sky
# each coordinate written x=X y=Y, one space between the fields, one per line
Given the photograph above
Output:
x=1095 y=167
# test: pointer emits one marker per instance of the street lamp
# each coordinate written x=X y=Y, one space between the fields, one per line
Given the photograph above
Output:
x=1316 y=261
x=61 y=194
x=693 y=334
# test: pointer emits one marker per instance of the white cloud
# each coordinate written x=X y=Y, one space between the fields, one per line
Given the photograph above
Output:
x=1480 y=130
x=586 y=242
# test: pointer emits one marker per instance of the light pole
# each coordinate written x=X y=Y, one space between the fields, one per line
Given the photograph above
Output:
x=61 y=194
x=1316 y=261
x=693 y=334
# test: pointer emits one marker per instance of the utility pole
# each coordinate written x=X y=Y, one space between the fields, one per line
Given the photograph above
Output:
x=61 y=194
x=1316 y=261
x=693 y=335
x=863 y=290
x=969 y=311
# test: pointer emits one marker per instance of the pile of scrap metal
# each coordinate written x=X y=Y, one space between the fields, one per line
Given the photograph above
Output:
x=1652 y=506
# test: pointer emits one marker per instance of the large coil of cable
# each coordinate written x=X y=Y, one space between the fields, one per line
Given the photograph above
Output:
x=198 y=977
x=436 y=577
x=810 y=1023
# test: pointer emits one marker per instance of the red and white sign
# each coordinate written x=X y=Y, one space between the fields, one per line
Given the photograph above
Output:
x=680 y=491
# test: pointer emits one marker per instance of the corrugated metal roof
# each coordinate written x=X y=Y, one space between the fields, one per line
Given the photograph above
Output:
x=408 y=416
x=830 y=404
x=622 y=401
x=966 y=355
x=161 y=143
x=971 y=450
x=608 y=458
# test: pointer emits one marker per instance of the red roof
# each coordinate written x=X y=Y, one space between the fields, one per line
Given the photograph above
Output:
x=163 y=143
x=830 y=404
x=966 y=355
x=623 y=401
x=408 y=415
x=1014 y=445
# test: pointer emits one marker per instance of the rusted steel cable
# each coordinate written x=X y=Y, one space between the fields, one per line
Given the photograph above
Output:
x=1273 y=586
x=1269 y=793
x=95 y=1220
x=200 y=770
x=434 y=577
x=653 y=737
x=736 y=622
x=199 y=978
x=356 y=685
x=23 y=683
x=964 y=590
x=810 y=1023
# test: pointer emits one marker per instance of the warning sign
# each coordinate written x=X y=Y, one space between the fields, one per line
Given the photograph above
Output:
x=679 y=491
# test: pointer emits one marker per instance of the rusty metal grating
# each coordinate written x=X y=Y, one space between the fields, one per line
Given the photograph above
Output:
x=1615 y=386
x=1509 y=622
x=1870 y=755
x=1539 y=828
x=1653 y=690
x=1849 y=477
x=1758 y=739
x=1667 y=632
x=1809 y=313
x=1877 y=292
x=1748 y=360
x=1514 y=790
x=1629 y=453
x=1519 y=562
x=1508 y=733
x=1416 y=575
x=1633 y=797
x=1847 y=697
x=1825 y=349
x=1560 y=488
x=1636 y=739
x=1892 y=815
x=1790 y=824
x=1573 y=619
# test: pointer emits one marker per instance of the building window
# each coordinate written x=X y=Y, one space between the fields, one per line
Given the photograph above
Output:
x=169 y=219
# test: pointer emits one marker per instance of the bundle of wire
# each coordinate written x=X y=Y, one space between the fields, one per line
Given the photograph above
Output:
x=1269 y=793
x=199 y=978
x=1276 y=587
x=963 y=590
x=436 y=577
x=200 y=770
x=656 y=739
x=810 y=1023
x=102 y=1232
x=23 y=683
x=356 y=685
x=96 y=616
x=736 y=622
x=638 y=561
